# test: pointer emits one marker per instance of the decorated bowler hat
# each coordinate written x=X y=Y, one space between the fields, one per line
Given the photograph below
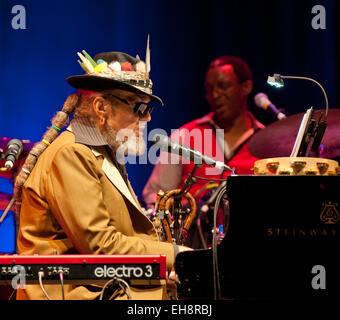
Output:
x=114 y=70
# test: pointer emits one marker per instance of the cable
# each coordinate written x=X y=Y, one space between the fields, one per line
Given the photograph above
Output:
x=103 y=290
x=61 y=276
x=41 y=274
x=11 y=295
x=209 y=179
x=200 y=232
x=128 y=292
x=217 y=287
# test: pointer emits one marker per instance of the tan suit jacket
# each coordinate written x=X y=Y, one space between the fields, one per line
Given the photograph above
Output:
x=75 y=201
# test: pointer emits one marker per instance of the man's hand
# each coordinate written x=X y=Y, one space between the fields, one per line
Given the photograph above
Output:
x=172 y=279
x=184 y=248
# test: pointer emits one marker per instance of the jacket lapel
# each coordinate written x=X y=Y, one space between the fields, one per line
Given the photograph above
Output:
x=114 y=176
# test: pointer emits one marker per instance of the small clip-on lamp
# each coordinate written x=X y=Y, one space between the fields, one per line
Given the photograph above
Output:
x=309 y=129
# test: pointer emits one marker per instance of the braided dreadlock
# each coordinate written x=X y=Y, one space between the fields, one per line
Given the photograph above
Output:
x=59 y=121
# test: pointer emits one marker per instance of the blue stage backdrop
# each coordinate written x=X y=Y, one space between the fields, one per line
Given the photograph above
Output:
x=272 y=36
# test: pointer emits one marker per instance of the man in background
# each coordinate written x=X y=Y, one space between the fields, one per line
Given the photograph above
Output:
x=223 y=134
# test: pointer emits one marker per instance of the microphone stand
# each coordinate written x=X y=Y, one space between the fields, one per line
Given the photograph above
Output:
x=188 y=182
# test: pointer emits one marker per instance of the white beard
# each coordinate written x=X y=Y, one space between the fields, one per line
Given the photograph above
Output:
x=125 y=142
x=131 y=144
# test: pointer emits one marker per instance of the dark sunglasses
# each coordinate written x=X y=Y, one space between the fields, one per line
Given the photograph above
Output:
x=140 y=109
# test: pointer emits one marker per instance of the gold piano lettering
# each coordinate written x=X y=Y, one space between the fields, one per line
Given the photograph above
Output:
x=293 y=232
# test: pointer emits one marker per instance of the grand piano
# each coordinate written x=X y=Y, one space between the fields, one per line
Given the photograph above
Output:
x=282 y=242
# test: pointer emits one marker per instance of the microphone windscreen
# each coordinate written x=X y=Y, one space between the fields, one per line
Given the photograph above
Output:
x=261 y=100
x=15 y=143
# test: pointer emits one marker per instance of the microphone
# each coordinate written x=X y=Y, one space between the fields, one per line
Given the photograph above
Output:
x=14 y=148
x=197 y=157
x=262 y=101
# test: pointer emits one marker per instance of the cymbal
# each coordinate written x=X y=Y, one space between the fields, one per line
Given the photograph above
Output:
x=27 y=146
x=278 y=138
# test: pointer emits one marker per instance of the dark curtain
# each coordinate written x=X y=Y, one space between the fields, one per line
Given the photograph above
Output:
x=272 y=36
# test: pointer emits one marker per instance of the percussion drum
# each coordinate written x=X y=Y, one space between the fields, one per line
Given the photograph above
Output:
x=296 y=166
